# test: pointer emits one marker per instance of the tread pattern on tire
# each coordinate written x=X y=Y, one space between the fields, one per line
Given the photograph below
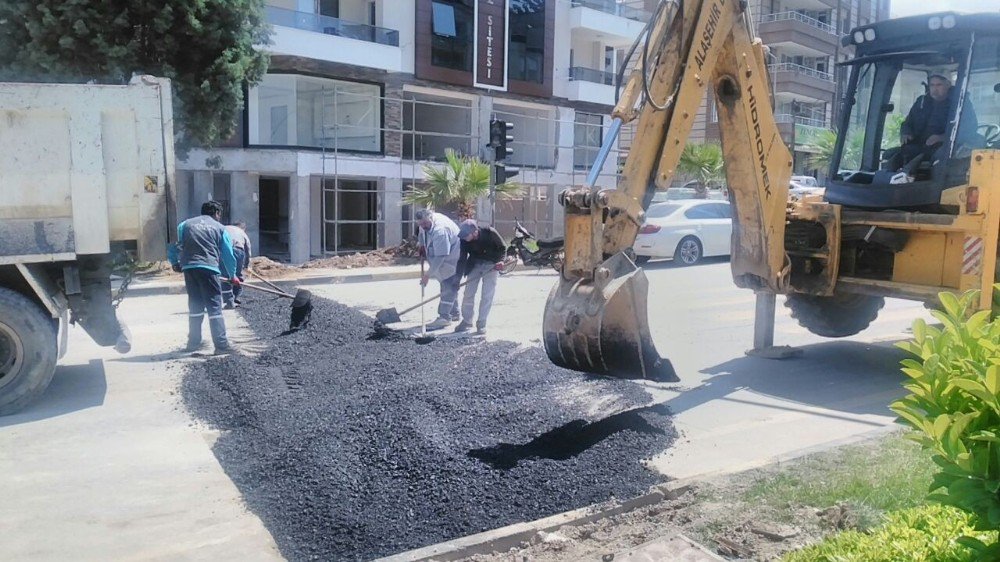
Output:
x=39 y=339
x=834 y=317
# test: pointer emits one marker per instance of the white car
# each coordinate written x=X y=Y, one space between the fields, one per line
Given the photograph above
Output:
x=686 y=231
x=800 y=186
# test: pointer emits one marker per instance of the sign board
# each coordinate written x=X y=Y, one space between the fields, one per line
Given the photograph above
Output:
x=489 y=69
x=807 y=137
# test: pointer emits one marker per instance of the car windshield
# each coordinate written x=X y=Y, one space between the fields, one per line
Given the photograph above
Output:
x=661 y=211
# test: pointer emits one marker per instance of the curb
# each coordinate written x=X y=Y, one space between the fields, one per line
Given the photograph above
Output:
x=177 y=288
x=511 y=536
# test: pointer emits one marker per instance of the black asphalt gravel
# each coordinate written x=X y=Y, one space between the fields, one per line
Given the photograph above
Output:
x=353 y=447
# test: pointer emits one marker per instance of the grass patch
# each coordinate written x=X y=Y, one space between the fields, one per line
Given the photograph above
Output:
x=927 y=533
x=889 y=474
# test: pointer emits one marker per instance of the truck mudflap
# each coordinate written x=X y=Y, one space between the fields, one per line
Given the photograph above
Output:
x=92 y=307
x=600 y=325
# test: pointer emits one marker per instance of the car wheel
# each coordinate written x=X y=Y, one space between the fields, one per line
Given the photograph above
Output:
x=639 y=260
x=688 y=251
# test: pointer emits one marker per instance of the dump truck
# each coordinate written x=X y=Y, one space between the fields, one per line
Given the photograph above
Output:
x=85 y=178
x=898 y=218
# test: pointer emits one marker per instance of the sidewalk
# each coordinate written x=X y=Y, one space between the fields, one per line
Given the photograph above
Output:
x=141 y=287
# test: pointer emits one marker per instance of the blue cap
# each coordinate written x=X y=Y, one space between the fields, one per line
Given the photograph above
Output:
x=468 y=227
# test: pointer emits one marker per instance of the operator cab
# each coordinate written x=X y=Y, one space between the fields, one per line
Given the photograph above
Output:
x=912 y=77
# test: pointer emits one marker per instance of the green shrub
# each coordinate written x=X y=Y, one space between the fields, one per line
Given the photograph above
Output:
x=929 y=533
x=954 y=404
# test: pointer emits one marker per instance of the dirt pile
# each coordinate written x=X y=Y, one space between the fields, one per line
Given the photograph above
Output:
x=354 y=448
x=404 y=254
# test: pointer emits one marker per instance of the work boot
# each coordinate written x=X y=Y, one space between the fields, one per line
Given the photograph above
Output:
x=438 y=324
x=481 y=330
x=456 y=317
x=463 y=327
x=217 y=325
x=191 y=347
x=231 y=306
x=224 y=350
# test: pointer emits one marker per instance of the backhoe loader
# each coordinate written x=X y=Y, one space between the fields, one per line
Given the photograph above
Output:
x=897 y=219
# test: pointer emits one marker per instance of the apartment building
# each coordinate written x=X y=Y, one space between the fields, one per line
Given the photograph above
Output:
x=803 y=39
x=362 y=94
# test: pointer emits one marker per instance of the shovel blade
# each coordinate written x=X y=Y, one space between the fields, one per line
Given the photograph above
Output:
x=301 y=309
x=601 y=326
x=387 y=316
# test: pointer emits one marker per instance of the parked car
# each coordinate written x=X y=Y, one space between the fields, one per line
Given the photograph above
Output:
x=800 y=186
x=687 y=191
x=686 y=231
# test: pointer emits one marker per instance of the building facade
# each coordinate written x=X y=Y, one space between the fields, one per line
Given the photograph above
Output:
x=803 y=40
x=362 y=94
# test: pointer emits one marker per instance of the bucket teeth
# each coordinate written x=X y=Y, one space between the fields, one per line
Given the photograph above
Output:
x=601 y=326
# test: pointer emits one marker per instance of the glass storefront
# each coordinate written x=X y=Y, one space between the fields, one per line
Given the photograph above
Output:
x=293 y=110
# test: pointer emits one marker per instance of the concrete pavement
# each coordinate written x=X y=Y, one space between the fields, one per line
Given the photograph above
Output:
x=107 y=465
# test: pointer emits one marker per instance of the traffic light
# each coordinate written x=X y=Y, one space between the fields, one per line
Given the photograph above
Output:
x=499 y=137
x=501 y=173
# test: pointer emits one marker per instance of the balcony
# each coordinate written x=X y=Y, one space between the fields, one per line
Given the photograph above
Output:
x=798 y=33
x=802 y=81
x=315 y=36
x=589 y=85
x=802 y=129
x=607 y=21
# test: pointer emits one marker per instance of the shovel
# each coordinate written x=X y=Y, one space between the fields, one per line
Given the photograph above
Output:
x=391 y=315
x=423 y=338
x=301 y=304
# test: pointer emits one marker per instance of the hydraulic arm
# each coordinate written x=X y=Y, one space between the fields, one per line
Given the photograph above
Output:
x=596 y=317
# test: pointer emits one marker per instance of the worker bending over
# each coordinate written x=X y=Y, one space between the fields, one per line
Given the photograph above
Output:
x=481 y=260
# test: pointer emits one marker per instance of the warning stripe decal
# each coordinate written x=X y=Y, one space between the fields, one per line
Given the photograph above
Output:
x=972 y=262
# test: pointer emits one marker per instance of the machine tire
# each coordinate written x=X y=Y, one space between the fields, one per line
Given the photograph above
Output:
x=557 y=261
x=28 y=351
x=834 y=317
x=689 y=251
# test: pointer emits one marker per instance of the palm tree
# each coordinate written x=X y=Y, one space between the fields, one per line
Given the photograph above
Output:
x=459 y=183
x=826 y=143
x=704 y=162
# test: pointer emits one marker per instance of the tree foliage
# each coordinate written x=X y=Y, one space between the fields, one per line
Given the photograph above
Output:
x=206 y=47
x=703 y=162
x=458 y=184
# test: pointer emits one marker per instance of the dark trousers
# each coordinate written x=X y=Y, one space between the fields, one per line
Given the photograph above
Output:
x=230 y=292
x=204 y=295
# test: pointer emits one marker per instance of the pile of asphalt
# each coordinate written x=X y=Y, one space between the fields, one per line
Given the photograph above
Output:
x=353 y=447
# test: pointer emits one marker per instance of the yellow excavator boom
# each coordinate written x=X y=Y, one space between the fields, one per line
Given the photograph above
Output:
x=596 y=317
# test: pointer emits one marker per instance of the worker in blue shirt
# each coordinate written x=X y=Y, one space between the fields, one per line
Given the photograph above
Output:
x=204 y=252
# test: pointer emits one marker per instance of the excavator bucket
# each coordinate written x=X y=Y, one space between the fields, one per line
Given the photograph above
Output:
x=600 y=325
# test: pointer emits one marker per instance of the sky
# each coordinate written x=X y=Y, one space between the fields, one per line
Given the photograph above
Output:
x=900 y=8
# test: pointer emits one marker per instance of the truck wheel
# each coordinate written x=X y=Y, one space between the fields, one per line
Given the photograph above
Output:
x=834 y=317
x=28 y=351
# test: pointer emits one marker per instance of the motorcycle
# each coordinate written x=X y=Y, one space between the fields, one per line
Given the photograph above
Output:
x=550 y=253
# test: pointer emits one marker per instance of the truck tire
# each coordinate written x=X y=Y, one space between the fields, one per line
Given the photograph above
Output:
x=834 y=317
x=28 y=351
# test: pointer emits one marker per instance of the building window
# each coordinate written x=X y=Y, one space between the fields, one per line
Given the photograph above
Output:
x=587 y=132
x=452 y=30
x=291 y=110
x=526 y=49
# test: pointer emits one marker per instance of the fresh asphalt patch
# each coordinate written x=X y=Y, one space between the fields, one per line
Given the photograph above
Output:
x=354 y=445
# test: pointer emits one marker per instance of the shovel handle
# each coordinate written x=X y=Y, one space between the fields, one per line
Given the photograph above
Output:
x=432 y=299
x=269 y=284
x=271 y=291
